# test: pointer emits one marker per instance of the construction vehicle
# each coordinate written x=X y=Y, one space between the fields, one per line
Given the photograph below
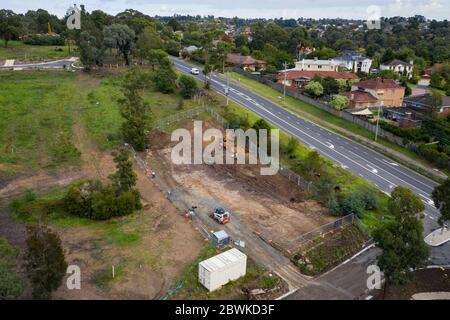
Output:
x=221 y=216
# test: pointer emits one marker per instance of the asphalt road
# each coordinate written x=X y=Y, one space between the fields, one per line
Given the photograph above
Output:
x=361 y=161
x=44 y=65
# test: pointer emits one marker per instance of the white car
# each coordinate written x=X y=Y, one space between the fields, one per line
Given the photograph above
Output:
x=195 y=71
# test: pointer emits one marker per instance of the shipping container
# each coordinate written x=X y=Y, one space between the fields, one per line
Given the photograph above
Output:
x=222 y=269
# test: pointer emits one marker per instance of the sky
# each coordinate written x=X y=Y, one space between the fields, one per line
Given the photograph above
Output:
x=359 y=9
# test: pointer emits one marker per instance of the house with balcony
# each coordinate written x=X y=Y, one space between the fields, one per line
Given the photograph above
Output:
x=400 y=67
x=354 y=61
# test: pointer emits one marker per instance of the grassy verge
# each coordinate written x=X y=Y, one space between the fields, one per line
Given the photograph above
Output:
x=35 y=125
x=17 y=50
x=332 y=122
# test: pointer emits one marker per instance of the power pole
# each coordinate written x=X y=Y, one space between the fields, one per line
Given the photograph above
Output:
x=227 y=90
x=285 y=80
x=378 y=121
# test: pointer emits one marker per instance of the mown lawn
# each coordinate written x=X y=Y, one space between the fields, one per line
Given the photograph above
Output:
x=17 y=50
x=35 y=120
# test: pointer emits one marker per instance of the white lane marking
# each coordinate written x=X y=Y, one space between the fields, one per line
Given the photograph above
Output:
x=351 y=160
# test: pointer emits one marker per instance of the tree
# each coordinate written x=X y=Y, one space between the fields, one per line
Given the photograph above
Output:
x=165 y=79
x=11 y=284
x=313 y=166
x=87 y=55
x=44 y=261
x=10 y=26
x=188 y=86
x=402 y=239
x=134 y=110
x=315 y=89
x=157 y=57
x=149 y=40
x=124 y=179
x=120 y=37
x=292 y=147
x=339 y=102
x=441 y=198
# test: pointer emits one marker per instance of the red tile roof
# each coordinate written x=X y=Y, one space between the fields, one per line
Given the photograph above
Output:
x=236 y=58
x=293 y=74
x=378 y=83
x=360 y=96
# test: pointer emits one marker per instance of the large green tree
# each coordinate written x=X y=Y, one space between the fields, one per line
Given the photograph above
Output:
x=10 y=26
x=441 y=198
x=402 y=239
x=120 y=37
x=134 y=109
x=44 y=261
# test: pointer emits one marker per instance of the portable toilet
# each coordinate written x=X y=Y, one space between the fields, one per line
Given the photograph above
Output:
x=221 y=239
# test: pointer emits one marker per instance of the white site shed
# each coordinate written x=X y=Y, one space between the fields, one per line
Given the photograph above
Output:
x=222 y=269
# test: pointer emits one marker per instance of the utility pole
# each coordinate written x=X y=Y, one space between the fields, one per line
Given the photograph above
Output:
x=285 y=80
x=378 y=121
x=227 y=90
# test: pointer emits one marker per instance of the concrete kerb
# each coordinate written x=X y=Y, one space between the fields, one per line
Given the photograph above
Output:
x=406 y=161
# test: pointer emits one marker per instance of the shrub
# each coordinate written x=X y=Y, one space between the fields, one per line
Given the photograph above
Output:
x=353 y=204
x=188 y=86
x=408 y=134
x=44 y=40
x=433 y=155
x=92 y=200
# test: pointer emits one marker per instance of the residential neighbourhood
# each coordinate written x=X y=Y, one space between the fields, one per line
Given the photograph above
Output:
x=162 y=155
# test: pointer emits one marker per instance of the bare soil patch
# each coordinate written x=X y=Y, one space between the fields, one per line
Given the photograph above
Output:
x=270 y=205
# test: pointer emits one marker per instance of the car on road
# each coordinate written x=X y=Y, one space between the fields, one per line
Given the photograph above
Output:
x=195 y=71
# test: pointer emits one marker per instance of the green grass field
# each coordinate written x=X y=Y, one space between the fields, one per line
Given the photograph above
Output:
x=19 y=51
x=35 y=122
x=101 y=113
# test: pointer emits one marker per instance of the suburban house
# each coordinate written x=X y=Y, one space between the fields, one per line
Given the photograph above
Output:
x=299 y=79
x=422 y=103
x=354 y=62
x=360 y=99
x=246 y=62
x=400 y=67
x=189 y=50
x=387 y=91
x=316 y=65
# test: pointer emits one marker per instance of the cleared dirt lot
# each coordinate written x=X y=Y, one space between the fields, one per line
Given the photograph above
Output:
x=270 y=205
